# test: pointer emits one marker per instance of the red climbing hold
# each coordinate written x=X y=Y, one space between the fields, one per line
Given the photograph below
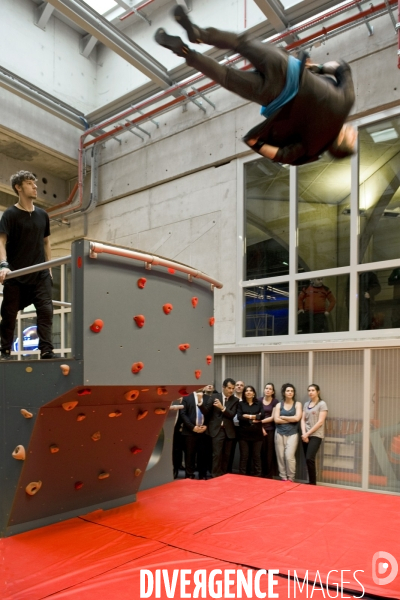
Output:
x=167 y=308
x=183 y=392
x=161 y=391
x=211 y=320
x=84 y=392
x=141 y=282
x=78 y=485
x=136 y=367
x=194 y=301
x=139 y=320
x=184 y=347
x=171 y=270
x=97 y=326
x=197 y=374
x=136 y=450
x=209 y=359
x=79 y=262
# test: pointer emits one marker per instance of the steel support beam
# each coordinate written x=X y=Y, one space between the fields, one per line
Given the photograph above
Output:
x=43 y=15
x=92 y=22
x=87 y=44
x=27 y=91
x=273 y=13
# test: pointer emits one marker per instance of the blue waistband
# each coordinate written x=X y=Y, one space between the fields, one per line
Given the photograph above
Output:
x=289 y=91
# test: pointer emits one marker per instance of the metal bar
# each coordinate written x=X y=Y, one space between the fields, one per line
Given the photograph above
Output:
x=56 y=262
x=150 y=259
x=203 y=96
x=391 y=14
x=55 y=302
x=136 y=10
x=43 y=15
x=367 y=23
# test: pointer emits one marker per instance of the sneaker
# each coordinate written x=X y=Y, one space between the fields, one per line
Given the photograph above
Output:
x=172 y=42
x=193 y=32
x=47 y=355
x=6 y=355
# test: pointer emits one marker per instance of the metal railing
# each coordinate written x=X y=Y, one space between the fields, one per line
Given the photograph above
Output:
x=150 y=260
x=56 y=262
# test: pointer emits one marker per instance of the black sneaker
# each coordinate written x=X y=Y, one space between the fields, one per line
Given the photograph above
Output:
x=47 y=355
x=6 y=355
x=172 y=42
x=181 y=17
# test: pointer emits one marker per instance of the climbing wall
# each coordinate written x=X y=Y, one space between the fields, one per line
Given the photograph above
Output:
x=79 y=433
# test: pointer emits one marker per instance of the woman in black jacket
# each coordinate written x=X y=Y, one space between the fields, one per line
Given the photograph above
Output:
x=250 y=412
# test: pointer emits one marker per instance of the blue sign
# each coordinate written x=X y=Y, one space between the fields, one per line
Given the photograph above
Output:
x=30 y=339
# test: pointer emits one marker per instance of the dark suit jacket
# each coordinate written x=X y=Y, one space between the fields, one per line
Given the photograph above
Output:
x=214 y=416
x=306 y=126
x=188 y=414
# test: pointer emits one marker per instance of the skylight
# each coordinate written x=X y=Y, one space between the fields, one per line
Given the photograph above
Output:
x=101 y=6
x=288 y=3
x=384 y=135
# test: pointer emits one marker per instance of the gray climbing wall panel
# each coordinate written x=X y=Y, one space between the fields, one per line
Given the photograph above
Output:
x=93 y=430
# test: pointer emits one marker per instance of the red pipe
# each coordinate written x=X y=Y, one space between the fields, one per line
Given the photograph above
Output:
x=398 y=34
x=136 y=9
x=68 y=201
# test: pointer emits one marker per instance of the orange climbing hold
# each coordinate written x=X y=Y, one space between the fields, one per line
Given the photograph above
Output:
x=81 y=417
x=141 y=282
x=194 y=301
x=33 y=487
x=209 y=359
x=65 y=369
x=104 y=475
x=26 y=413
x=167 y=308
x=116 y=413
x=211 y=321
x=197 y=374
x=136 y=367
x=136 y=450
x=142 y=414
x=161 y=391
x=97 y=326
x=69 y=405
x=139 y=320
x=96 y=436
x=132 y=395
x=184 y=347
x=19 y=453
x=160 y=411
x=54 y=448
x=138 y=472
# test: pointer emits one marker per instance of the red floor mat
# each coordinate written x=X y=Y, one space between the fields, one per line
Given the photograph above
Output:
x=233 y=520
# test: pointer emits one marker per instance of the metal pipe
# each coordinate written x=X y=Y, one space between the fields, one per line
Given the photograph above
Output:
x=56 y=262
x=55 y=302
x=67 y=202
x=151 y=259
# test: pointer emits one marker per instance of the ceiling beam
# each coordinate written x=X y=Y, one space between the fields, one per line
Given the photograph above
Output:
x=43 y=14
x=87 y=44
x=273 y=13
x=104 y=31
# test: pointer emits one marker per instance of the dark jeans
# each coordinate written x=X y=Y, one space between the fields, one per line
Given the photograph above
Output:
x=221 y=446
x=248 y=448
x=195 y=453
x=261 y=86
x=268 y=455
x=16 y=297
x=310 y=452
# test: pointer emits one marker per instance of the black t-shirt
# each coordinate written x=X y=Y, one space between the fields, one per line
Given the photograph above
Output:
x=25 y=234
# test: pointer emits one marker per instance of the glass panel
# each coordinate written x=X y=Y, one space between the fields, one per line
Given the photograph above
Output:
x=267 y=219
x=56 y=337
x=340 y=377
x=379 y=198
x=68 y=332
x=379 y=299
x=217 y=372
x=384 y=468
x=323 y=304
x=68 y=284
x=323 y=214
x=244 y=367
x=266 y=310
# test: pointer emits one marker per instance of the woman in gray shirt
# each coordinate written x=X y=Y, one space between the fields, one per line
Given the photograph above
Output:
x=287 y=415
x=312 y=427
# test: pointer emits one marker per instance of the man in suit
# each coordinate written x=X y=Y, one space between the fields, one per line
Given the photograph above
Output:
x=220 y=410
x=194 y=433
x=305 y=109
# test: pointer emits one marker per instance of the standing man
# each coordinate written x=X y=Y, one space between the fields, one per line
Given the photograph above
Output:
x=220 y=410
x=193 y=432
x=25 y=241
x=305 y=109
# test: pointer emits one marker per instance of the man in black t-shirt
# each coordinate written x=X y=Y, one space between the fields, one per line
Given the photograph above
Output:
x=25 y=241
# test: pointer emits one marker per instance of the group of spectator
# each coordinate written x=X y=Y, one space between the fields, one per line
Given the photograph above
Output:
x=267 y=430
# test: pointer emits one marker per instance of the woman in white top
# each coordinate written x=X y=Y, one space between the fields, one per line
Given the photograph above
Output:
x=315 y=412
